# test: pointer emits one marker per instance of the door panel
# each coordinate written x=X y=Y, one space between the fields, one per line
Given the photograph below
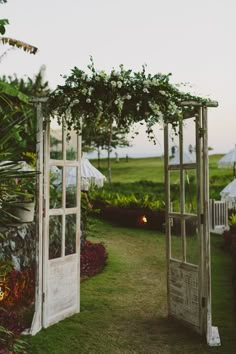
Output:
x=61 y=256
x=183 y=205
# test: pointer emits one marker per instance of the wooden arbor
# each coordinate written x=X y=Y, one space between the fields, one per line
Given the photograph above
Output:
x=188 y=280
x=189 y=274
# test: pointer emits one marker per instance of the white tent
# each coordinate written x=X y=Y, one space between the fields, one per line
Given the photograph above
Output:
x=228 y=194
x=89 y=175
x=228 y=160
x=187 y=158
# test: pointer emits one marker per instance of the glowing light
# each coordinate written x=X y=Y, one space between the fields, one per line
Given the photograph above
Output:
x=144 y=219
x=2 y=293
x=4 y=290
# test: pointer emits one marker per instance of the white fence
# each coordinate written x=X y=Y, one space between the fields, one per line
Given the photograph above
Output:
x=218 y=215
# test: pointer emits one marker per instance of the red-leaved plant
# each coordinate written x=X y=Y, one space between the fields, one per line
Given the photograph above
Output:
x=92 y=259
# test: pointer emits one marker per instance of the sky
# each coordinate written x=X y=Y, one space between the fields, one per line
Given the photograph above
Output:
x=193 y=40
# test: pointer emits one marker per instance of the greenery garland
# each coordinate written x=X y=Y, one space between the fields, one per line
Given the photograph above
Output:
x=121 y=98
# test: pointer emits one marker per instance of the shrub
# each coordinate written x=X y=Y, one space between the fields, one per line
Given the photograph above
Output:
x=22 y=286
x=93 y=258
x=18 y=288
x=10 y=329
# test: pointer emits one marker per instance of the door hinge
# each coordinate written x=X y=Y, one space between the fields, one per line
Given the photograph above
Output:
x=43 y=297
x=203 y=302
x=202 y=219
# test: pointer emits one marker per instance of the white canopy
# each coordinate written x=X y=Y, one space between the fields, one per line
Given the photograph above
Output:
x=187 y=158
x=90 y=175
x=228 y=194
x=228 y=160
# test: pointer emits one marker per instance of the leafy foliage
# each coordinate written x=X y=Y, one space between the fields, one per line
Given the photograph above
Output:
x=145 y=201
x=19 y=44
x=3 y=23
x=232 y=219
x=92 y=259
x=121 y=97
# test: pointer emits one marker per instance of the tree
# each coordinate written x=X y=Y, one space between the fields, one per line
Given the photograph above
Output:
x=104 y=138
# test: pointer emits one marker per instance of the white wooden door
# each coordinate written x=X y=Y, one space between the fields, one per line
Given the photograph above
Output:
x=187 y=223
x=61 y=246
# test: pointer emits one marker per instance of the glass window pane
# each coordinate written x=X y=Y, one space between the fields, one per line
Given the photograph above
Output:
x=56 y=173
x=70 y=234
x=72 y=147
x=192 y=245
x=173 y=146
x=189 y=140
x=71 y=186
x=174 y=191
x=176 y=239
x=55 y=140
x=191 y=191
x=55 y=236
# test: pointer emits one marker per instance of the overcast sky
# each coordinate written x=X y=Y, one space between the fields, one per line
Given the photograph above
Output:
x=194 y=40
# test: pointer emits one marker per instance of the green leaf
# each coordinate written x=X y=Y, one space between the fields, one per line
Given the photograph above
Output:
x=3 y=23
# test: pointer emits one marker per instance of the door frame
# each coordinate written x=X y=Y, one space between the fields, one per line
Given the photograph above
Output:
x=203 y=270
x=38 y=321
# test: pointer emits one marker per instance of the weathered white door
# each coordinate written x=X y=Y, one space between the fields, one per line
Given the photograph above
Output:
x=61 y=220
x=187 y=223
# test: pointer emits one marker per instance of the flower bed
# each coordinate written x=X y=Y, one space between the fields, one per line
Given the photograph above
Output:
x=93 y=259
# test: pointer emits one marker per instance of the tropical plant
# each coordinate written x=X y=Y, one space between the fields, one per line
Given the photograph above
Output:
x=10 y=171
x=232 y=220
x=11 y=41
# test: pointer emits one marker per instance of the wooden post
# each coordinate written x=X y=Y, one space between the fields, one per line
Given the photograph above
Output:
x=182 y=192
x=37 y=319
x=167 y=209
x=212 y=333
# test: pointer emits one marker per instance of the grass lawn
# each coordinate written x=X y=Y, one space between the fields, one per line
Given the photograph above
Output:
x=123 y=309
x=152 y=169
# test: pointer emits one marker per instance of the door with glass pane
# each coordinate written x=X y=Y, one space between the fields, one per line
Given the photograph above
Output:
x=61 y=247
x=185 y=177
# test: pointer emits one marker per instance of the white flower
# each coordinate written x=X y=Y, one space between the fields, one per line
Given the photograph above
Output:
x=155 y=82
x=146 y=82
x=145 y=90
x=128 y=97
x=119 y=84
x=162 y=93
x=116 y=102
x=88 y=100
x=115 y=73
x=113 y=83
x=102 y=73
x=97 y=78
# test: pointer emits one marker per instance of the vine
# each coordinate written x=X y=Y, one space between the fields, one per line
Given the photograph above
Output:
x=123 y=97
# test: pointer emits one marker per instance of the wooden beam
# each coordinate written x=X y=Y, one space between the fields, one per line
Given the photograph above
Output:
x=200 y=104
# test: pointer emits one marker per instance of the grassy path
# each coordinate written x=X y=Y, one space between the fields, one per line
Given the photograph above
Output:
x=123 y=309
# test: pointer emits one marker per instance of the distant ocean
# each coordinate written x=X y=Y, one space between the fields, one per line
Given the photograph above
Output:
x=122 y=153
